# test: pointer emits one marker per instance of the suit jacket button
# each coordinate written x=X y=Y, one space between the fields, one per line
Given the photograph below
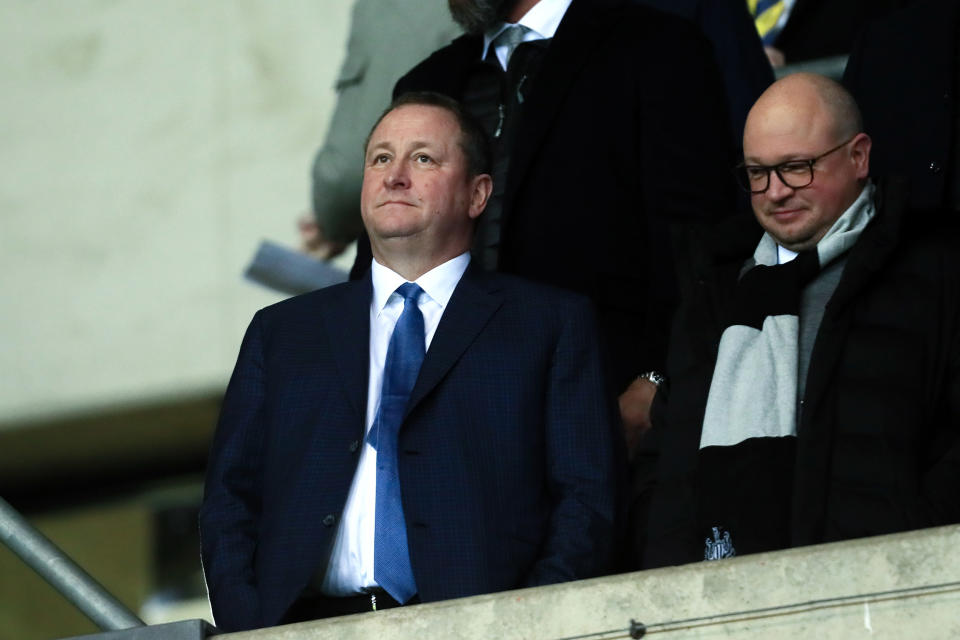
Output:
x=328 y=520
x=354 y=446
x=934 y=168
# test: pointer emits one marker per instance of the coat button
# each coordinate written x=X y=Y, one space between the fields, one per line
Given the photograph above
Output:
x=354 y=446
x=934 y=168
x=328 y=520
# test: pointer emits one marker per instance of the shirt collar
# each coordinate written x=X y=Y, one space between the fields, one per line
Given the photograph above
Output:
x=785 y=255
x=542 y=21
x=438 y=283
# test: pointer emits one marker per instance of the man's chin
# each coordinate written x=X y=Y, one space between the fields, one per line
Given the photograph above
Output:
x=393 y=234
x=787 y=236
x=796 y=241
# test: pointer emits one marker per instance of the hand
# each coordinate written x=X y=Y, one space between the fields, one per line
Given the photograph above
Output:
x=635 y=412
x=775 y=56
x=312 y=240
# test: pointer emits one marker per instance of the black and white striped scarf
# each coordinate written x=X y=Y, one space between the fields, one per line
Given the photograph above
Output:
x=753 y=392
x=748 y=440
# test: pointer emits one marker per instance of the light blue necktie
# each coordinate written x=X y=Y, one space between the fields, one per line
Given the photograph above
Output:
x=391 y=555
x=511 y=38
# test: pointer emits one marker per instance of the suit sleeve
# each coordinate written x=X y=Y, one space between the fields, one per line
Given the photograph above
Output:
x=230 y=513
x=582 y=460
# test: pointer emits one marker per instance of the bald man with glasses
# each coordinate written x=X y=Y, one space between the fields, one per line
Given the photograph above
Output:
x=815 y=365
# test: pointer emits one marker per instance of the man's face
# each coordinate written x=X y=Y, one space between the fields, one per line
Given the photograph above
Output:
x=417 y=192
x=476 y=16
x=799 y=218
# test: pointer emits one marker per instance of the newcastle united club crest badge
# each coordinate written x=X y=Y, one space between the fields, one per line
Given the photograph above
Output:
x=720 y=546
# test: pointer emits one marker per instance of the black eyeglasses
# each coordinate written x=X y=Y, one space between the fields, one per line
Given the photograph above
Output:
x=796 y=174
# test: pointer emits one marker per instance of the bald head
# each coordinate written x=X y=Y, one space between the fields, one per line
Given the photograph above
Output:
x=813 y=98
x=805 y=117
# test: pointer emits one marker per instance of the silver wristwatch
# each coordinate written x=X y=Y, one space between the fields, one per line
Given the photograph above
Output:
x=654 y=377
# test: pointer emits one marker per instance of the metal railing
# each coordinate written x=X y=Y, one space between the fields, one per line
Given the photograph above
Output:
x=63 y=574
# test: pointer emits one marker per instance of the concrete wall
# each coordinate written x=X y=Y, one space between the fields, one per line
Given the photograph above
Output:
x=146 y=149
x=901 y=586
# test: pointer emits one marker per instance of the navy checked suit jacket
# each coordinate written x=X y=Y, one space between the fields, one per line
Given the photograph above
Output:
x=507 y=459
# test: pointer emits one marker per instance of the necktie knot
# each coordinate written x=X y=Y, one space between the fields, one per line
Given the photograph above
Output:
x=511 y=37
x=409 y=291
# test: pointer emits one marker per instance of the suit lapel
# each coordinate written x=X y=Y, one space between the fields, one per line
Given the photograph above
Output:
x=473 y=303
x=347 y=324
x=579 y=33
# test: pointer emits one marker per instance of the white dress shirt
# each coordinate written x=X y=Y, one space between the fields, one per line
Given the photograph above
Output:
x=785 y=255
x=351 y=560
x=541 y=21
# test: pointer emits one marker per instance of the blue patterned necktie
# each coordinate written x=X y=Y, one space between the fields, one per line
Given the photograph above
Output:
x=391 y=556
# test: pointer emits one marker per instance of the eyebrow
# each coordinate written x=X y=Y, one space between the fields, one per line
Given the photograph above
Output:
x=416 y=144
x=793 y=157
x=380 y=145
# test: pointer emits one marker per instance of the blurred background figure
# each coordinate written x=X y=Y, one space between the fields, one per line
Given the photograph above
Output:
x=729 y=27
x=387 y=37
x=802 y=30
x=905 y=73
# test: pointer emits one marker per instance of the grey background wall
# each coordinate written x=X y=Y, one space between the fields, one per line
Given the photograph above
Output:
x=145 y=149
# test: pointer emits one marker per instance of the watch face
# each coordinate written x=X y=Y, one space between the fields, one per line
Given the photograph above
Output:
x=654 y=377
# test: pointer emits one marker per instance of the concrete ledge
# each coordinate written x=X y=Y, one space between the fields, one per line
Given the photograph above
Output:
x=183 y=630
x=875 y=587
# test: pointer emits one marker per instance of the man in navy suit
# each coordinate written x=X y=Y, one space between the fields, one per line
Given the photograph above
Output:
x=596 y=117
x=505 y=453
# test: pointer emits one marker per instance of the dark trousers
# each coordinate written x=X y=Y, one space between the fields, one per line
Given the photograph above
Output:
x=313 y=605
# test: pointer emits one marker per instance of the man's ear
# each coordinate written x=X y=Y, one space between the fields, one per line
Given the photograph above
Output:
x=860 y=154
x=481 y=187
